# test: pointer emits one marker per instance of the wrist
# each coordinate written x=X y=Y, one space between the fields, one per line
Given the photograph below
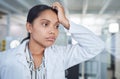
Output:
x=65 y=23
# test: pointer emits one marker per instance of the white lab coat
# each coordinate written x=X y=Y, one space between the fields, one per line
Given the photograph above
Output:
x=13 y=63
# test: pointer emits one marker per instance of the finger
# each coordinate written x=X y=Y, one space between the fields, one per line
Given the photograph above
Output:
x=54 y=6
x=57 y=4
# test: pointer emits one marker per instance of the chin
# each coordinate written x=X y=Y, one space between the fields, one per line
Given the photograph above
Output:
x=48 y=45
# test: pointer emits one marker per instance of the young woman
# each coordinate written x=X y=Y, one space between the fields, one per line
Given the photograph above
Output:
x=37 y=57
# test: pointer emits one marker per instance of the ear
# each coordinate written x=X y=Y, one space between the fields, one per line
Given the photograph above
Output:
x=29 y=27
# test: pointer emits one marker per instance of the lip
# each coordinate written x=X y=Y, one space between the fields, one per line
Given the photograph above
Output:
x=51 y=38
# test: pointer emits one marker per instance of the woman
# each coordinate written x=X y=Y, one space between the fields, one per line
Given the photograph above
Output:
x=37 y=57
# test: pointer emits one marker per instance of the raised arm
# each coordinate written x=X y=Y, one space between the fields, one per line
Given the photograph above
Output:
x=89 y=45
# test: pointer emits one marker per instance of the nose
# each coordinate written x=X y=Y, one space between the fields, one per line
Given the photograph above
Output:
x=52 y=30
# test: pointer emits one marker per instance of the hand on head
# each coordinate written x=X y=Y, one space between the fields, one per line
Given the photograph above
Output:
x=61 y=14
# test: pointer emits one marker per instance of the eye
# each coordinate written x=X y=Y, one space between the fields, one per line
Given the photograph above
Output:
x=57 y=26
x=45 y=24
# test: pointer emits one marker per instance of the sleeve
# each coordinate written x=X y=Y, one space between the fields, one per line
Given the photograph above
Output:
x=89 y=45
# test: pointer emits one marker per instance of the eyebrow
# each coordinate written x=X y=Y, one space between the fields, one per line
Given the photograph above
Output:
x=49 y=21
x=45 y=19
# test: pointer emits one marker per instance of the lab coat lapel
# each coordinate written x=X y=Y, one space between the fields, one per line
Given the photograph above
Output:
x=20 y=54
x=50 y=58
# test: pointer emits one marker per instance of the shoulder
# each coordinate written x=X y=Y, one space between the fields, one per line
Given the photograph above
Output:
x=63 y=48
x=60 y=49
x=9 y=55
x=57 y=48
x=6 y=54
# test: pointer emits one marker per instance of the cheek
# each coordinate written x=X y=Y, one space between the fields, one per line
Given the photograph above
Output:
x=39 y=30
x=39 y=33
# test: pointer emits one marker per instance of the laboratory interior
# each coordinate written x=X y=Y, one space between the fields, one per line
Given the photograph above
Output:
x=102 y=17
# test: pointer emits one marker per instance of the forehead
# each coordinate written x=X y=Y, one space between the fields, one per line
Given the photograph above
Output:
x=49 y=15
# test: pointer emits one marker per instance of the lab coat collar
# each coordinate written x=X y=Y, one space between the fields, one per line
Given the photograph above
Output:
x=49 y=54
x=21 y=56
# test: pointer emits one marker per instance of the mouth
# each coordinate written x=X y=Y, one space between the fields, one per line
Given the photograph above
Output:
x=51 y=39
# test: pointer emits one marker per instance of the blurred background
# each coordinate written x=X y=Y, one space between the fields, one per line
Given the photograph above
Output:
x=100 y=16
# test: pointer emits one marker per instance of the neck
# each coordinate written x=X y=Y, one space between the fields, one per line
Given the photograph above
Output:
x=35 y=48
